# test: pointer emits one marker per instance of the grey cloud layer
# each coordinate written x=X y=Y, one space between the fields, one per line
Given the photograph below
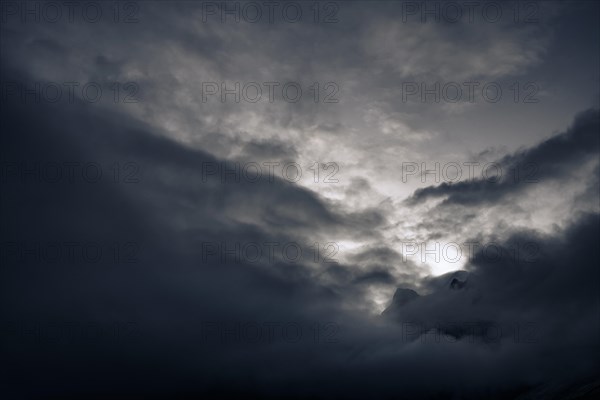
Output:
x=554 y=159
x=169 y=293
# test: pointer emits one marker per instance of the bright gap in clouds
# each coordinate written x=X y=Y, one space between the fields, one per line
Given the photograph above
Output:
x=443 y=257
x=443 y=266
x=348 y=245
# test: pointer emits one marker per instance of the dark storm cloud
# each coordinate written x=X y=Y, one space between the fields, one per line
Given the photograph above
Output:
x=170 y=294
x=168 y=213
x=167 y=292
x=554 y=159
x=552 y=298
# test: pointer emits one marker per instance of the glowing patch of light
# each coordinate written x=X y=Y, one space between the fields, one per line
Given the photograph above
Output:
x=443 y=267
x=348 y=245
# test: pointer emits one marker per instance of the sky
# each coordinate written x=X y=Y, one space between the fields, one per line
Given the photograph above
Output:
x=311 y=199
